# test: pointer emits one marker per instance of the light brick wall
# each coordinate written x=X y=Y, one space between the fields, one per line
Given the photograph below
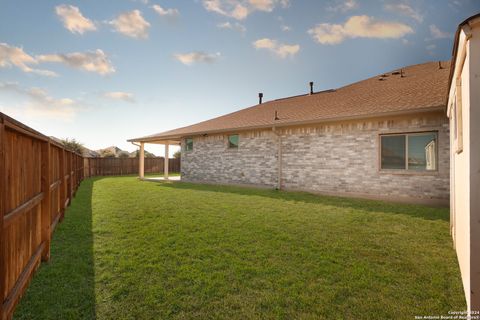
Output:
x=334 y=158
x=254 y=162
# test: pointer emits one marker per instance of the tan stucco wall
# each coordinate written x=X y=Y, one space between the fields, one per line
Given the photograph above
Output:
x=336 y=158
x=474 y=144
x=465 y=169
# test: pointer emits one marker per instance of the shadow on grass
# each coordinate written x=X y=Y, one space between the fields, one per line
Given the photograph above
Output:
x=64 y=287
x=417 y=211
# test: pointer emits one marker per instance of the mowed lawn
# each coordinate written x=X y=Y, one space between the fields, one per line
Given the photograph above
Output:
x=144 y=250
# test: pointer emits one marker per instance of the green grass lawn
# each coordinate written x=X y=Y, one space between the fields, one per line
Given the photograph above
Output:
x=146 y=250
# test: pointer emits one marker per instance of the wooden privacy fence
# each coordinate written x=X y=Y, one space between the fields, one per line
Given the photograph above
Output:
x=38 y=179
x=121 y=166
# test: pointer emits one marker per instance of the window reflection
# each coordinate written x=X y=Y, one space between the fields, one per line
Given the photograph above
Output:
x=420 y=148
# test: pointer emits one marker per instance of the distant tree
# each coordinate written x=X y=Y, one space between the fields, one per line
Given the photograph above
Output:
x=136 y=154
x=124 y=154
x=73 y=145
x=177 y=154
x=149 y=154
x=108 y=154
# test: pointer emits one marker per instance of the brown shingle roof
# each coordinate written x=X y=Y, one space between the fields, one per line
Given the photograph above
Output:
x=422 y=88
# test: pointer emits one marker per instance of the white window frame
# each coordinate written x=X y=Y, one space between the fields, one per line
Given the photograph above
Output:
x=228 y=141
x=407 y=134
x=186 y=145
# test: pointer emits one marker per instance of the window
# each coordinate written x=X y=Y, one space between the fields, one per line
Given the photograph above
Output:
x=412 y=152
x=233 y=141
x=188 y=144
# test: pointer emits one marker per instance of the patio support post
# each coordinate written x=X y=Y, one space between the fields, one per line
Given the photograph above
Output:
x=165 y=167
x=141 y=169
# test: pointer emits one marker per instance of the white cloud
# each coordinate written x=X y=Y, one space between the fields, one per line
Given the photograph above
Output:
x=284 y=3
x=262 y=5
x=35 y=102
x=14 y=56
x=240 y=9
x=343 y=6
x=119 y=95
x=131 y=24
x=233 y=10
x=358 y=27
x=405 y=10
x=232 y=26
x=431 y=49
x=165 y=12
x=195 y=57
x=73 y=19
x=93 y=61
x=280 y=49
x=437 y=33
x=286 y=28
x=457 y=3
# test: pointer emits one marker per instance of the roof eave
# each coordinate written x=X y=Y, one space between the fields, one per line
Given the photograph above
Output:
x=440 y=108
x=454 y=52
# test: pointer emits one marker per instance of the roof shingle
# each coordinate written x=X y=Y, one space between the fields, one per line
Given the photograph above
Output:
x=421 y=88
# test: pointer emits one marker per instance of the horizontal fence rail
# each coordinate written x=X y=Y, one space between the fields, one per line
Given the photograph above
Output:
x=123 y=166
x=38 y=179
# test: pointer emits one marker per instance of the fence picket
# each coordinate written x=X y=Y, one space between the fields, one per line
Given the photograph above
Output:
x=126 y=166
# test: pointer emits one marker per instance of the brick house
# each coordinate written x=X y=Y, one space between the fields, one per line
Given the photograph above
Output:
x=386 y=137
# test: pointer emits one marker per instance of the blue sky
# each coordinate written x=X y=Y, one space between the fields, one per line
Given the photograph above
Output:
x=105 y=71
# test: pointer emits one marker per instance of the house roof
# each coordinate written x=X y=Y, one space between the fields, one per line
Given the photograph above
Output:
x=455 y=47
x=422 y=88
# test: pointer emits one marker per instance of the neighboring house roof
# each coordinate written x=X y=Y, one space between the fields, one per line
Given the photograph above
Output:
x=422 y=88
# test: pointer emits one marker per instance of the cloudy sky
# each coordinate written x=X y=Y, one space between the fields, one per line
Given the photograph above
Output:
x=104 y=71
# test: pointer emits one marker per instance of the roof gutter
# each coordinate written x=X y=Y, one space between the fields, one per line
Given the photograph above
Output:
x=439 y=108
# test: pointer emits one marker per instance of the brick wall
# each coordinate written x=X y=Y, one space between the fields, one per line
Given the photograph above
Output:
x=254 y=162
x=334 y=158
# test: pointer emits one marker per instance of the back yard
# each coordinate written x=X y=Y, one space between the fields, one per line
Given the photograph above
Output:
x=145 y=250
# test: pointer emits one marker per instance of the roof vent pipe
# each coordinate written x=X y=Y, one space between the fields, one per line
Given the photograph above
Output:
x=311 y=87
x=260 y=97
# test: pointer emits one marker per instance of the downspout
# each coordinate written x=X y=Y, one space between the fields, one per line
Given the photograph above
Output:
x=141 y=159
x=279 y=158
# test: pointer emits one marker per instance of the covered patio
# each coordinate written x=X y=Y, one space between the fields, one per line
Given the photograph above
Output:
x=140 y=142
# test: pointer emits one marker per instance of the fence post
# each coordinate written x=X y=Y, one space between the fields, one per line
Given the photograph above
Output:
x=72 y=175
x=2 y=214
x=62 y=186
x=45 y=206
x=69 y=175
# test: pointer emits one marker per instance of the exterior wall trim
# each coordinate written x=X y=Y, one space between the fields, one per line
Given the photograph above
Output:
x=161 y=138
